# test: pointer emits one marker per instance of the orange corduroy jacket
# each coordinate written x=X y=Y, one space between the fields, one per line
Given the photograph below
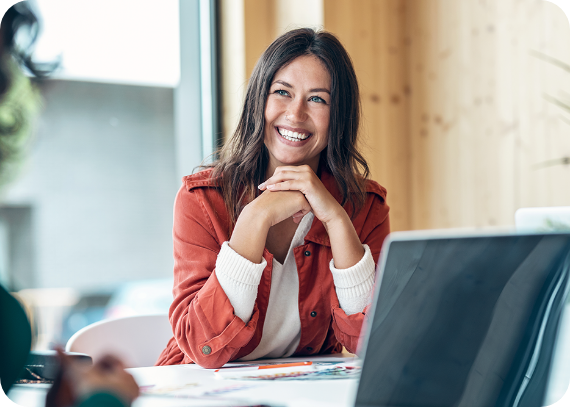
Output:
x=206 y=331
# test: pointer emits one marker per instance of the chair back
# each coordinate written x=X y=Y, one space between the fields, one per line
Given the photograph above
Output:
x=136 y=340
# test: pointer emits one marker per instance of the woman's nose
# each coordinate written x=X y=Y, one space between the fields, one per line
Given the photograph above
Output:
x=296 y=111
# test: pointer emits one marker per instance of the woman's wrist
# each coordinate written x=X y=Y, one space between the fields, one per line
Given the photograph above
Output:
x=339 y=221
x=346 y=247
x=250 y=233
x=256 y=215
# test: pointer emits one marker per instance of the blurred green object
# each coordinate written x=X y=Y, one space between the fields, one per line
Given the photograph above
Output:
x=102 y=399
x=18 y=108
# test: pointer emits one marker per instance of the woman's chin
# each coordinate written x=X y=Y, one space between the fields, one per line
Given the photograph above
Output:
x=294 y=162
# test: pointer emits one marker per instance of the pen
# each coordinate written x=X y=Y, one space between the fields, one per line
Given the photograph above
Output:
x=292 y=364
x=277 y=366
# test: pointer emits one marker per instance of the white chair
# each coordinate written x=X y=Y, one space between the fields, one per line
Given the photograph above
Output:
x=136 y=340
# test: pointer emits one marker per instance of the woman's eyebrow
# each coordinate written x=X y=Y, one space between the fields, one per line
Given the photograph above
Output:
x=288 y=85
x=320 y=90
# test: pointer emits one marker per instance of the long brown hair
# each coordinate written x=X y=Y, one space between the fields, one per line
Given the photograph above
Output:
x=244 y=158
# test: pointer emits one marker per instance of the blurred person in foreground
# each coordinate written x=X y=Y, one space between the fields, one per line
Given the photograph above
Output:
x=106 y=383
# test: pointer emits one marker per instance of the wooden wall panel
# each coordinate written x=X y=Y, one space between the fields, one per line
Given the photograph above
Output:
x=374 y=33
x=452 y=112
x=543 y=179
x=233 y=62
x=260 y=22
x=292 y=14
x=479 y=119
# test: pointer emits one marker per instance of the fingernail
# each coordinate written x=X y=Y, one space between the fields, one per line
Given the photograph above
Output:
x=261 y=186
x=270 y=186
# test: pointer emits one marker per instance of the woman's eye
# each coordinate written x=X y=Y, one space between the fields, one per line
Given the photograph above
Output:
x=282 y=92
x=317 y=99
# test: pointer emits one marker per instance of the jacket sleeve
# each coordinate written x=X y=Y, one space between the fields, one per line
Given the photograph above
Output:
x=203 y=321
x=375 y=228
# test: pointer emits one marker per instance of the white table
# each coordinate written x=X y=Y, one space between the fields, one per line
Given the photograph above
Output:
x=183 y=385
x=334 y=393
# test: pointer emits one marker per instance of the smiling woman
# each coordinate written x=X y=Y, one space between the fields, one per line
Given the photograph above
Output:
x=276 y=244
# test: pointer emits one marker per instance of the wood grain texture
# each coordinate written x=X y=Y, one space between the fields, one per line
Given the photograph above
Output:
x=260 y=29
x=233 y=63
x=479 y=119
x=374 y=34
x=545 y=137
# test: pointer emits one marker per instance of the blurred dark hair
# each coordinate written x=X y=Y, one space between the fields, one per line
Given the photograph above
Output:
x=20 y=19
x=244 y=158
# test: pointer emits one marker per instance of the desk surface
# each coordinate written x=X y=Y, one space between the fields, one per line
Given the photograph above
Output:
x=185 y=385
x=334 y=393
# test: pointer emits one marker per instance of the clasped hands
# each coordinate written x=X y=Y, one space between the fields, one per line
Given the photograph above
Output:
x=301 y=192
x=292 y=192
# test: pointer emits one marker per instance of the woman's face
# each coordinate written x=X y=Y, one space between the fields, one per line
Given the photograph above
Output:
x=297 y=114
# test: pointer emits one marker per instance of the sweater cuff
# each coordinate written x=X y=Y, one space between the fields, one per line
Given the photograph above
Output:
x=238 y=268
x=355 y=284
x=239 y=278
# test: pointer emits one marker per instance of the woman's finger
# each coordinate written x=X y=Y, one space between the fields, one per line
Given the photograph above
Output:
x=291 y=185
x=277 y=178
x=287 y=173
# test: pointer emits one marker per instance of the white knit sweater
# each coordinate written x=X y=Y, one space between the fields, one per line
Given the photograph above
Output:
x=282 y=328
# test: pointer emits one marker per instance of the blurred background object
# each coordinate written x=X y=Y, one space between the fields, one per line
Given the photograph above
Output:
x=48 y=307
x=57 y=313
x=146 y=297
x=137 y=340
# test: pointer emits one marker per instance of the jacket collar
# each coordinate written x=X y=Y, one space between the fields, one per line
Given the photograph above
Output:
x=317 y=233
x=200 y=179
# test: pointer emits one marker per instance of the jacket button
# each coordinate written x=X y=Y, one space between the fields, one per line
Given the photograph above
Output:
x=307 y=253
x=206 y=350
x=313 y=314
x=309 y=349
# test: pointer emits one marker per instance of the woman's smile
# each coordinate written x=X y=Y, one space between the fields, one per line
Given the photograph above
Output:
x=293 y=137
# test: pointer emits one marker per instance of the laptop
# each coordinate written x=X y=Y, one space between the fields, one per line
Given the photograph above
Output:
x=464 y=320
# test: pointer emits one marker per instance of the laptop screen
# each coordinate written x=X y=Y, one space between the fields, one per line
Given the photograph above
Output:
x=464 y=321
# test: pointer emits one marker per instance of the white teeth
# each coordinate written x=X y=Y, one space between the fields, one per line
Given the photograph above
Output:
x=292 y=136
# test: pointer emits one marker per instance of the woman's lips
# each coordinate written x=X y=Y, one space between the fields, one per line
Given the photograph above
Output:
x=293 y=135
x=292 y=138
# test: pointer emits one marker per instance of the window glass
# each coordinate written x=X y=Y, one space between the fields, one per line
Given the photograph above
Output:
x=124 y=41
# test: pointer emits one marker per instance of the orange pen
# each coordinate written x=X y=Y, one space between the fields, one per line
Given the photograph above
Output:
x=292 y=364
x=230 y=369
